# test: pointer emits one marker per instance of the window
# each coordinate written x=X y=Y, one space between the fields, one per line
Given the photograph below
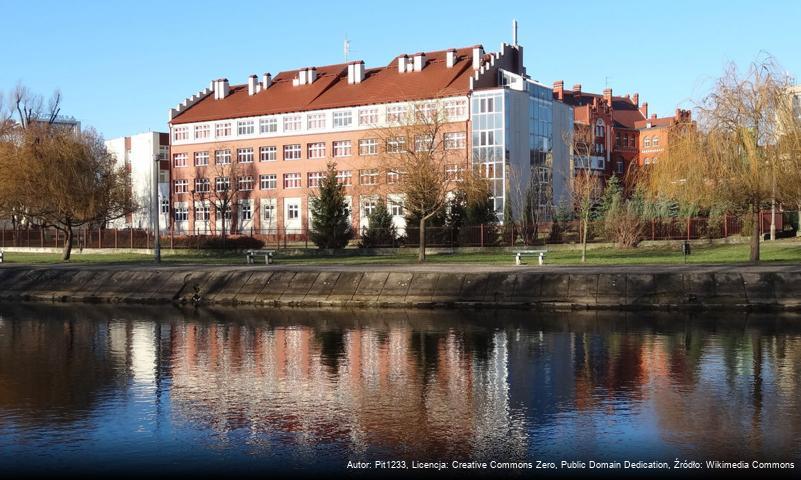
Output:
x=342 y=148
x=181 y=185
x=315 y=121
x=617 y=139
x=292 y=211
x=269 y=211
x=292 y=123
x=165 y=206
x=202 y=185
x=222 y=157
x=621 y=167
x=181 y=212
x=222 y=129
x=267 y=181
x=425 y=111
x=368 y=146
x=486 y=105
x=368 y=116
x=314 y=179
x=316 y=150
x=368 y=206
x=646 y=142
x=646 y=161
x=268 y=125
x=423 y=143
x=201 y=159
x=179 y=159
x=245 y=183
x=292 y=152
x=343 y=119
x=180 y=133
x=202 y=131
x=396 y=144
x=222 y=184
x=454 y=140
x=655 y=141
x=393 y=178
x=292 y=180
x=455 y=108
x=344 y=177
x=244 y=155
x=202 y=212
x=396 y=208
x=267 y=154
x=246 y=127
x=453 y=172
x=395 y=113
x=226 y=214
x=246 y=211
x=368 y=176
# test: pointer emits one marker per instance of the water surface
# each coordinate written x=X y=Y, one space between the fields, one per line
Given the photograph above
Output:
x=110 y=389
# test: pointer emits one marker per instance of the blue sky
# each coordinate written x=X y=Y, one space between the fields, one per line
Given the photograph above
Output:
x=121 y=64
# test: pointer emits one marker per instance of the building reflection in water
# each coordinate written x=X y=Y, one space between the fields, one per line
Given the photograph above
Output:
x=412 y=384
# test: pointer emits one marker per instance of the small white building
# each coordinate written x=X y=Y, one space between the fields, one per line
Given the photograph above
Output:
x=140 y=152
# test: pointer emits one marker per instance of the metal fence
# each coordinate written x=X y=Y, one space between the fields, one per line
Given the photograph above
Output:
x=442 y=237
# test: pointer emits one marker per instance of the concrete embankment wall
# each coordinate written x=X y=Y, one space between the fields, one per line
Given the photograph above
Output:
x=304 y=288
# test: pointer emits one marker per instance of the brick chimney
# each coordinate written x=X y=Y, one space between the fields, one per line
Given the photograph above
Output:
x=253 y=81
x=636 y=99
x=577 y=89
x=608 y=96
x=644 y=109
x=559 y=90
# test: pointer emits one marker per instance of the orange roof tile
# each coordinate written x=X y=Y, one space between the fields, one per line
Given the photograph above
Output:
x=331 y=89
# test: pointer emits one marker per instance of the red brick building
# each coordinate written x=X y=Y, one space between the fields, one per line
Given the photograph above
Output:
x=655 y=133
x=612 y=121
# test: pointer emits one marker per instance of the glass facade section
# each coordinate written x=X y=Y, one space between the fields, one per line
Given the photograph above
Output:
x=489 y=152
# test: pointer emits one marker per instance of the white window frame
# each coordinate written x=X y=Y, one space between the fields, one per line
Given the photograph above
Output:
x=293 y=180
x=222 y=129
x=181 y=185
x=179 y=160
x=202 y=185
x=315 y=121
x=201 y=158
x=268 y=125
x=315 y=151
x=368 y=146
x=293 y=123
x=368 y=117
x=291 y=150
x=268 y=181
x=343 y=119
x=245 y=127
x=224 y=155
x=268 y=153
x=342 y=148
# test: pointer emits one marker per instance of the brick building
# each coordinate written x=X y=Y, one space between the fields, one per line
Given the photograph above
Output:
x=655 y=134
x=612 y=122
x=286 y=127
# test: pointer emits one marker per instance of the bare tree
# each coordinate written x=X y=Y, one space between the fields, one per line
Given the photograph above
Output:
x=531 y=198
x=64 y=180
x=415 y=149
x=586 y=183
x=232 y=181
x=733 y=158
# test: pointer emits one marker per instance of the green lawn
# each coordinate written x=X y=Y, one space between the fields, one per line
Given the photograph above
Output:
x=778 y=251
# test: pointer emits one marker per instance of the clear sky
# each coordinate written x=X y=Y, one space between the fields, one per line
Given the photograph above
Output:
x=121 y=65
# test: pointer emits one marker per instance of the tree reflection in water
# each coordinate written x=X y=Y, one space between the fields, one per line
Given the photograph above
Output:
x=284 y=386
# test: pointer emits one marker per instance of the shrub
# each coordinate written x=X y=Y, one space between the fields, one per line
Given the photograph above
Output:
x=381 y=231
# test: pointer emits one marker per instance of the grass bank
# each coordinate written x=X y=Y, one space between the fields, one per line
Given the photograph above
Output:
x=787 y=251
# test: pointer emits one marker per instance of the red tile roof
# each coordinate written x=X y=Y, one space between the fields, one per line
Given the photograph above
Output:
x=331 y=89
x=624 y=111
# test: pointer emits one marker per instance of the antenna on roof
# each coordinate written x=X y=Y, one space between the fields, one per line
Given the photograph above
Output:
x=514 y=32
x=346 y=48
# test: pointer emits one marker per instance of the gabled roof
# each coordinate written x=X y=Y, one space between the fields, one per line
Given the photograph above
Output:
x=331 y=89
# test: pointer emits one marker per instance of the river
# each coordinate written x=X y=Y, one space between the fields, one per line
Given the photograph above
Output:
x=110 y=389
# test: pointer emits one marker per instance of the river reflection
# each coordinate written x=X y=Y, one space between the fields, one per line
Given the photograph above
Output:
x=101 y=388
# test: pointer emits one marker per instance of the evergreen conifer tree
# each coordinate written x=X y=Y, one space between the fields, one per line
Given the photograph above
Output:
x=381 y=231
x=330 y=225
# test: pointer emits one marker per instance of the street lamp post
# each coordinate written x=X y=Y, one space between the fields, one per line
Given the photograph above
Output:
x=156 y=210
